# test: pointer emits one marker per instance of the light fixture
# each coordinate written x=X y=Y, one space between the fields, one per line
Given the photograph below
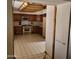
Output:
x=23 y=5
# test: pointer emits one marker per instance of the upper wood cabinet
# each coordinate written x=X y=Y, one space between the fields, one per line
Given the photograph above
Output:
x=30 y=17
x=16 y=17
x=18 y=30
x=40 y=18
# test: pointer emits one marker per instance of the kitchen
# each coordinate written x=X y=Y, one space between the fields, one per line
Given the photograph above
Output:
x=33 y=23
x=29 y=30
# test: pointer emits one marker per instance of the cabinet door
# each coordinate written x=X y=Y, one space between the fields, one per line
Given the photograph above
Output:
x=18 y=30
x=32 y=17
x=39 y=18
x=17 y=17
x=40 y=30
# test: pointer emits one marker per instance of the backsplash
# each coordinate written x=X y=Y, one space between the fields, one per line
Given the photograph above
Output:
x=26 y=22
x=34 y=23
x=17 y=23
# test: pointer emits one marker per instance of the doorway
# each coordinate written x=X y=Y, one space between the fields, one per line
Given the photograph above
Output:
x=29 y=27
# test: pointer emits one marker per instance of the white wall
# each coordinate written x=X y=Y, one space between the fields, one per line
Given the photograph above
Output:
x=50 y=29
x=39 y=0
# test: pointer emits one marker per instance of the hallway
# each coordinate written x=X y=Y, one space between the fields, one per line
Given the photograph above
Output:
x=29 y=46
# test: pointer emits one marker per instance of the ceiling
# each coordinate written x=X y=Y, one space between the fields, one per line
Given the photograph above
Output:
x=28 y=7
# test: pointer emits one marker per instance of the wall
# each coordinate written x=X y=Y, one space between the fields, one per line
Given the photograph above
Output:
x=9 y=30
x=38 y=0
x=50 y=29
x=44 y=26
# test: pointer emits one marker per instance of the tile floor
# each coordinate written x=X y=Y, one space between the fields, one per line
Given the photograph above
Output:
x=29 y=46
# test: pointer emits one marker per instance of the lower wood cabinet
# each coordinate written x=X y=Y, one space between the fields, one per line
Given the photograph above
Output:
x=17 y=17
x=18 y=30
x=37 y=30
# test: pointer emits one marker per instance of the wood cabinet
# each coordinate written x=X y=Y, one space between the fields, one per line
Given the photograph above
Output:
x=37 y=30
x=17 y=20
x=18 y=30
x=40 y=18
x=34 y=17
x=16 y=17
x=40 y=30
x=30 y=17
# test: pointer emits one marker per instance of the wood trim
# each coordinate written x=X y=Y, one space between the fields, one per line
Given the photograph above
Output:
x=10 y=43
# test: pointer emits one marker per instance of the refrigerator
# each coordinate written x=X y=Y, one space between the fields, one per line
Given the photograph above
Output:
x=57 y=29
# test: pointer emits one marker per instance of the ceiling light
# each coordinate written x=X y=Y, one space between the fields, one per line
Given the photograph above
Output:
x=23 y=5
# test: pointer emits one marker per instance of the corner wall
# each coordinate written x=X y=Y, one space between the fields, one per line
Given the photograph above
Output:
x=9 y=30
